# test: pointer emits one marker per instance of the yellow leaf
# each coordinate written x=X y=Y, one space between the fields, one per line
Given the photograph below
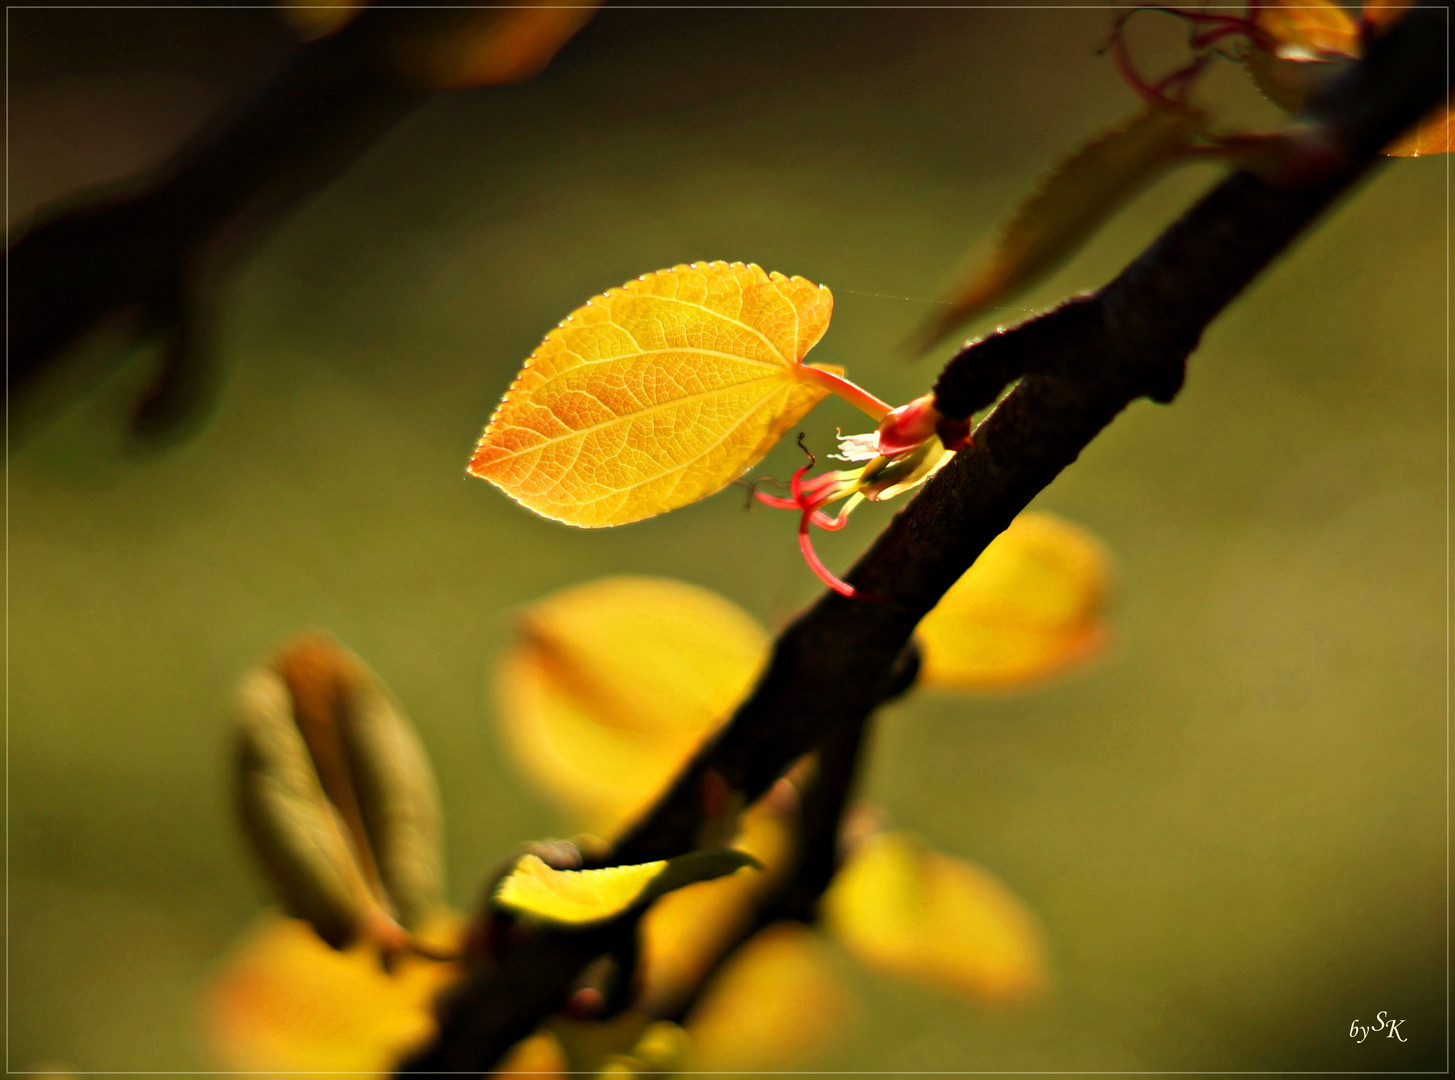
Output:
x=578 y=897
x=1082 y=192
x=685 y=932
x=574 y=896
x=918 y=914
x=286 y=1002
x=776 y=1002
x=656 y=394
x=1033 y=604
x=613 y=684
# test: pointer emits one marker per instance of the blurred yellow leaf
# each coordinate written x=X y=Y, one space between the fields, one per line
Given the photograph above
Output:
x=775 y=1003
x=318 y=18
x=578 y=897
x=1082 y=192
x=286 y=1002
x=662 y=1047
x=684 y=932
x=915 y=913
x=656 y=394
x=491 y=46
x=1308 y=28
x=1033 y=604
x=536 y=1053
x=612 y=685
x=446 y=48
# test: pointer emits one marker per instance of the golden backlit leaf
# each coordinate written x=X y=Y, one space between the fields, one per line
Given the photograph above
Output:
x=580 y=897
x=286 y=1002
x=613 y=684
x=656 y=394
x=446 y=49
x=776 y=1003
x=1072 y=203
x=911 y=912
x=1032 y=605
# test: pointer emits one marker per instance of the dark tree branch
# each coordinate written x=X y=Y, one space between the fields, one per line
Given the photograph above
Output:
x=1082 y=364
x=817 y=844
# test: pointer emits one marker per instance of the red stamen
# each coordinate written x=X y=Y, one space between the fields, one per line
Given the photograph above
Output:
x=821 y=519
x=808 y=498
x=1180 y=81
x=795 y=485
x=776 y=501
x=805 y=545
x=1129 y=73
x=832 y=524
x=1217 y=27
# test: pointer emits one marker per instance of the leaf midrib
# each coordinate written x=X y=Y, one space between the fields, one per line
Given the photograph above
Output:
x=619 y=417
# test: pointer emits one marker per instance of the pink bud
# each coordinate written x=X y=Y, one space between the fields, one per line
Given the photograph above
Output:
x=908 y=426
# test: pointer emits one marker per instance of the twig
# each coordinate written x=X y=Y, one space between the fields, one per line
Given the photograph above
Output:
x=1083 y=363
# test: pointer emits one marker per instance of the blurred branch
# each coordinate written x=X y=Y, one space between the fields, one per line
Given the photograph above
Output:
x=142 y=253
x=157 y=251
x=1079 y=366
x=819 y=843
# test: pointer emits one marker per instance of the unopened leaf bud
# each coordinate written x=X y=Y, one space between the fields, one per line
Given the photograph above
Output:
x=908 y=426
x=337 y=796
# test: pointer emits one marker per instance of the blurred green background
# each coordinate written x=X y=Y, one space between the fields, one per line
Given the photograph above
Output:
x=1233 y=826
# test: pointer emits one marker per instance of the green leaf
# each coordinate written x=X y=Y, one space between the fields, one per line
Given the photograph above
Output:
x=1077 y=198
